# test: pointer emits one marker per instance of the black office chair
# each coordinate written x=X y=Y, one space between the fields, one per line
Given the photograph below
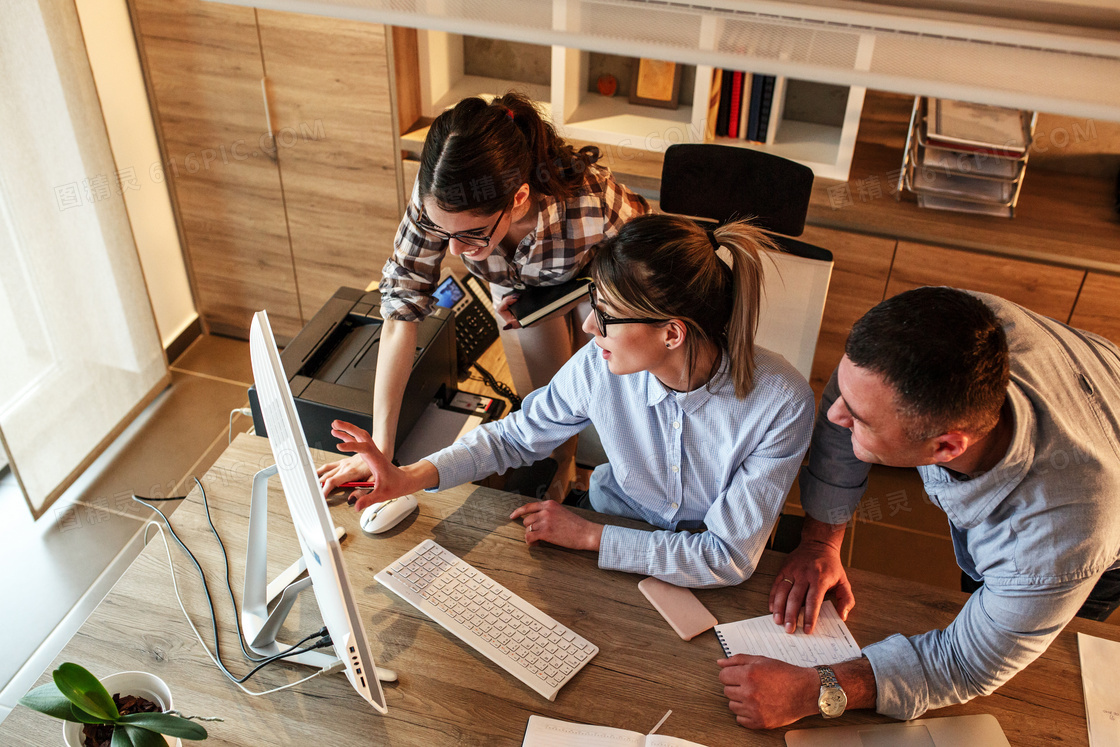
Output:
x=723 y=182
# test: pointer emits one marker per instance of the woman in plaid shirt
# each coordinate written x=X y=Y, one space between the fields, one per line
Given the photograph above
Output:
x=502 y=191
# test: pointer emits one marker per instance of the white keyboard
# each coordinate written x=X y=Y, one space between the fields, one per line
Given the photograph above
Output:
x=497 y=623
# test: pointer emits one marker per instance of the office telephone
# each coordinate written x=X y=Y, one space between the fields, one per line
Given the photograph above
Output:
x=475 y=327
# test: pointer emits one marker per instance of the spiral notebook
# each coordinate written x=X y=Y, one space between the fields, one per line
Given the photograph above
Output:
x=830 y=642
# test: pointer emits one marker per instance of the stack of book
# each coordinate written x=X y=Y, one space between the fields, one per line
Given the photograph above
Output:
x=966 y=157
x=745 y=106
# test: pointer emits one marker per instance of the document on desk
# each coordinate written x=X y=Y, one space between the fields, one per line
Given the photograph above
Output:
x=1100 y=660
x=760 y=636
x=550 y=732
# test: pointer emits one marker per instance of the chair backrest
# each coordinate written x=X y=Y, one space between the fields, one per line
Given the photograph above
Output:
x=722 y=182
x=794 y=287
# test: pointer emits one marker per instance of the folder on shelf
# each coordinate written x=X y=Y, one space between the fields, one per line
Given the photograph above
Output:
x=756 y=105
x=777 y=108
x=713 y=103
x=724 y=115
x=736 y=103
x=745 y=109
x=764 y=107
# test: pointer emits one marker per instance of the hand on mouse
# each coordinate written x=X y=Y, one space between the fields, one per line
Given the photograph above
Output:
x=389 y=480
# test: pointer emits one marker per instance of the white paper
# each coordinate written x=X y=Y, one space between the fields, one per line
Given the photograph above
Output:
x=1100 y=660
x=830 y=642
x=549 y=732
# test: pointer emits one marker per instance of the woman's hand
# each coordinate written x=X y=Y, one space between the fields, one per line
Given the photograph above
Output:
x=350 y=469
x=507 y=316
x=548 y=521
x=389 y=481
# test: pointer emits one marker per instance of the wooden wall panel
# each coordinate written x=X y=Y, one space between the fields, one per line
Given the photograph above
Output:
x=204 y=74
x=328 y=82
x=1047 y=289
x=1098 y=306
x=859 y=279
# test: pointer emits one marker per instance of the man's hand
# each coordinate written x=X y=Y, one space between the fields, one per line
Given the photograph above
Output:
x=810 y=572
x=548 y=521
x=766 y=693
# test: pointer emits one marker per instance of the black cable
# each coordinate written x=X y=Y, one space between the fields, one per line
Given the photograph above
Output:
x=291 y=651
x=500 y=387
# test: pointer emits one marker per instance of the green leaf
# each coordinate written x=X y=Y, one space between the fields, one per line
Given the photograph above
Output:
x=121 y=738
x=48 y=699
x=85 y=691
x=164 y=724
x=137 y=737
x=77 y=714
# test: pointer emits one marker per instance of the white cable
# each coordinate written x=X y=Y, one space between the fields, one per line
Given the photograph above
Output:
x=175 y=583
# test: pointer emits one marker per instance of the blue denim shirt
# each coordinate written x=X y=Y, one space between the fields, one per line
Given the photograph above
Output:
x=1039 y=528
x=676 y=459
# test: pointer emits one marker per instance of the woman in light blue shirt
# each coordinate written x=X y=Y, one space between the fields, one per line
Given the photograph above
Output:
x=703 y=431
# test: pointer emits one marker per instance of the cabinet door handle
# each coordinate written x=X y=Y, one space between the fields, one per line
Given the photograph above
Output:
x=268 y=120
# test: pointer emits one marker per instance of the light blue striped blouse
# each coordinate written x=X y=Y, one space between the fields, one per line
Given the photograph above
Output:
x=677 y=460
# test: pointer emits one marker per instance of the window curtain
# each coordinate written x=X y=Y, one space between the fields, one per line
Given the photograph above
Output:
x=80 y=355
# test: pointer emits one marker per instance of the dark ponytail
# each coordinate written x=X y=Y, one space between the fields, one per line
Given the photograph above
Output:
x=477 y=154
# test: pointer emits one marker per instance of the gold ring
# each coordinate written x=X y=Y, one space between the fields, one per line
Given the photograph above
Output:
x=788 y=581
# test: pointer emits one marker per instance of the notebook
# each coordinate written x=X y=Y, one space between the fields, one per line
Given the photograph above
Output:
x=536 y=302
x=830 y=642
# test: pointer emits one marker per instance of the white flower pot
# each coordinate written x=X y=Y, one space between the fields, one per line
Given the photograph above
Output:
x=138 y=684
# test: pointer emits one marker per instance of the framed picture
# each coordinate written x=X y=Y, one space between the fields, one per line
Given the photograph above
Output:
x=655 y=83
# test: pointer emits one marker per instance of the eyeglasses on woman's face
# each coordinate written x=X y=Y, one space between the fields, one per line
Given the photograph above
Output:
x=468 y=238
x=603 y=319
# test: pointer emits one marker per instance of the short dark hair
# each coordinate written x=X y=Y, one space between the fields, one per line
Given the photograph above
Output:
x=944 y=353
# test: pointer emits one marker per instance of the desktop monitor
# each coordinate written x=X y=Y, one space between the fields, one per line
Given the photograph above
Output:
x=314 y=528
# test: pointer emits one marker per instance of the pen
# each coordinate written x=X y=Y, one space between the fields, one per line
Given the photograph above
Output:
x=358 y=485
x=659 y=723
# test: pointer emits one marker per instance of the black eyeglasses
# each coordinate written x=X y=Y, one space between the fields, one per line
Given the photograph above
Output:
x=470 y=239
x=602 y=319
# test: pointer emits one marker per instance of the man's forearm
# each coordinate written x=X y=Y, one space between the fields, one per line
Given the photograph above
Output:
x=858 y=680
x=814 y=531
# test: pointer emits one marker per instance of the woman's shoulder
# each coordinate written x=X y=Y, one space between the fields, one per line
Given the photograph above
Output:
x=775 y=375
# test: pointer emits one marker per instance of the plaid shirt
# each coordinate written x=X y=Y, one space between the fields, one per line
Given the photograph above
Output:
x=552 y=253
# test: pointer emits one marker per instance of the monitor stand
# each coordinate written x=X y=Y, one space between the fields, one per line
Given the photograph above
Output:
x=260 y=625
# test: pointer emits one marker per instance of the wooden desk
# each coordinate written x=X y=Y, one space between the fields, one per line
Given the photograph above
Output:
x=447 y=693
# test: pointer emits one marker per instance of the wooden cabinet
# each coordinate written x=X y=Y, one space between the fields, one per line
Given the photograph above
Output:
x=277 y=135
x=1047 y=289
x=203 y=65
x=862 y=265
x=1098 y=306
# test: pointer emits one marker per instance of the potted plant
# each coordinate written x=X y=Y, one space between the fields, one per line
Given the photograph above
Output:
x=134 y=717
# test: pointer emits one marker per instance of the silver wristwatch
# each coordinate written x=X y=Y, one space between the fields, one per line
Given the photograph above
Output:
x=832 y=700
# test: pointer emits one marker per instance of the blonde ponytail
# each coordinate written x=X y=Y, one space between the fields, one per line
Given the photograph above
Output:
x=746 y=243
x=666 y=267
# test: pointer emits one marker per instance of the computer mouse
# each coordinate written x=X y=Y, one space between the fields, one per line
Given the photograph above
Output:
x=381 y=517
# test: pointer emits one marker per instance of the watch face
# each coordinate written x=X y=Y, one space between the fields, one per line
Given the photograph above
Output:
x=832 y=702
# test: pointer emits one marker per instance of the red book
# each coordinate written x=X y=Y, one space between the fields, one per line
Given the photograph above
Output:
x=736 y=103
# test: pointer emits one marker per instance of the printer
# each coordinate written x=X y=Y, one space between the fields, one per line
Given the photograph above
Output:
x=331 y=365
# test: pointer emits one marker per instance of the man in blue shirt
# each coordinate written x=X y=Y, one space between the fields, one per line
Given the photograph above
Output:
x=1013 y=421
